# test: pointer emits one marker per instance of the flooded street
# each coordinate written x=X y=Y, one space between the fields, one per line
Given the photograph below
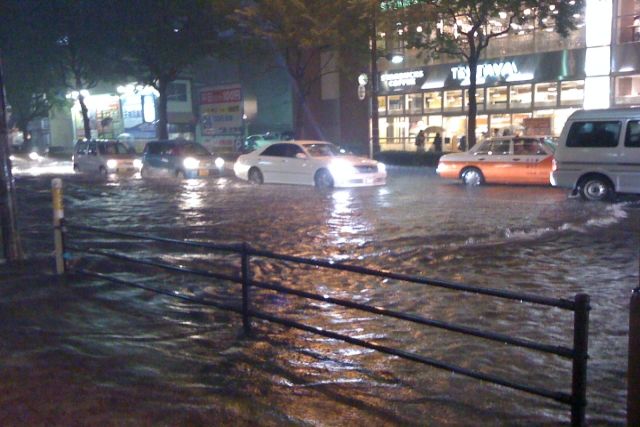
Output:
x=98 y=353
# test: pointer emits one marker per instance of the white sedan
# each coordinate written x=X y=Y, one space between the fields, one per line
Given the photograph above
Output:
x=308 y=162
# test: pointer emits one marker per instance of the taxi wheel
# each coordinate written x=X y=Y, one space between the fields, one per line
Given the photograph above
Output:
x=323 y=179
x=596 y=189
x=472 y=177
x=255 y=176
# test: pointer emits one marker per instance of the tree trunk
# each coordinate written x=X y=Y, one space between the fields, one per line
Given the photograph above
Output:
x=85 y=117
x=473 y=104
x=162 y=131
x=11 y=247
x=298 y=119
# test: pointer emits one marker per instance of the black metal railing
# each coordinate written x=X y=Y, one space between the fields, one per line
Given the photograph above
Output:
x=579 y=305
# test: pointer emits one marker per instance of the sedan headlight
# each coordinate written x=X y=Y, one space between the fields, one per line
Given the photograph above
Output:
x=219 y=162
x=341 y=169
x=191 y=163
x=137 y=163
x=112 y=163
x=34 y=156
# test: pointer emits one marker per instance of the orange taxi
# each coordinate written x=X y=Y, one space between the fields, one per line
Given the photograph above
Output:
x=503 y=160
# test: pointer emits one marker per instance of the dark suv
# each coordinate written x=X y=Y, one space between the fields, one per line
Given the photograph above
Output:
x=178 y=158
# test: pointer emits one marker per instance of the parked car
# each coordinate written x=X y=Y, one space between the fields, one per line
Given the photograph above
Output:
x=598 y=154
x=308 y=162
x=178 y=158
x=104 y=157
x=504 y=160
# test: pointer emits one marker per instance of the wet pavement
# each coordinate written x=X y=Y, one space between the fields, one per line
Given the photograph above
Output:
x=90 y=352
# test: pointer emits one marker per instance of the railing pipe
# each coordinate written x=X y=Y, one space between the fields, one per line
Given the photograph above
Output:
x=246 y=282
x=633 y=369
x=535 y=299
x=580 y=350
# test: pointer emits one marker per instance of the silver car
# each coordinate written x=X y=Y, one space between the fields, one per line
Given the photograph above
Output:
x=105 y=157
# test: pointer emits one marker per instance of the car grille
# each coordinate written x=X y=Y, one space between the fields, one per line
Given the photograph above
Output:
x=367 y=168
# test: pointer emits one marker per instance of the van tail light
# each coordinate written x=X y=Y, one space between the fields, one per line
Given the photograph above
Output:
x=554 y=165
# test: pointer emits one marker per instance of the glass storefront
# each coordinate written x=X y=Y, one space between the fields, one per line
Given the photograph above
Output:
x=546 y=94
x=497 y=98
x=572 y=92
x=627 y=90
x=628 y=21
x=531 y=108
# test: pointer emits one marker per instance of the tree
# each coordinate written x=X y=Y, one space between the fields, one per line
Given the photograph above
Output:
x=300 y=32
x=464 y=28
x=162 y=39
x=29 y=72
x=85 y=47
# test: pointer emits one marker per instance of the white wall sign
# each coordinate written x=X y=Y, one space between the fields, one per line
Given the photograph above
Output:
x=504 y=70
x=402 y=79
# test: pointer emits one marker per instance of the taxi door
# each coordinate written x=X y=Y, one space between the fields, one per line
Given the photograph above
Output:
x=531 y=161
x=493 y=160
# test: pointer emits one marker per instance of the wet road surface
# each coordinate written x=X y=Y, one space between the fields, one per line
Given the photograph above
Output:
x=100 y=353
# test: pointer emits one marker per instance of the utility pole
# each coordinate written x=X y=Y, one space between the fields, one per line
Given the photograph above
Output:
x=375 y=129
x=11 y=247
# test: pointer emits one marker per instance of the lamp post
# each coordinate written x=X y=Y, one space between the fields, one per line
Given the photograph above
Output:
x=375 y=130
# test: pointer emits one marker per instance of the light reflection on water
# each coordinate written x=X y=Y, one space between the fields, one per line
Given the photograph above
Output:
x=532 y=240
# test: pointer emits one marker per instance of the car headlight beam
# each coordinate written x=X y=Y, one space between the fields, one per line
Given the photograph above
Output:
x=191 y=163
x=342 y=169
x=112 y=163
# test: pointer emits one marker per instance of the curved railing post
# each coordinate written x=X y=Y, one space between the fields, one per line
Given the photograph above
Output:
x=245 y=273
x=580 y=355
x=633 y=370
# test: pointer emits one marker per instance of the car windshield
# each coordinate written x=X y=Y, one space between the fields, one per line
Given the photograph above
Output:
x=113 y=148
x=550 y=143
x=194 y=150
x=322 y=150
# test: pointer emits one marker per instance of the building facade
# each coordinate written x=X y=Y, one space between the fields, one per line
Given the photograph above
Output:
x=529 y=81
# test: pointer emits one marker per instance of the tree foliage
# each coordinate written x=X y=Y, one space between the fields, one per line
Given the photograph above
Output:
x=161 y=39
x=464 y=28
x=307 y=37
x=30 y=75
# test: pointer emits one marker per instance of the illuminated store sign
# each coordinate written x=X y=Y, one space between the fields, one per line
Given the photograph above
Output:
x=402 y=79
x=502 y=70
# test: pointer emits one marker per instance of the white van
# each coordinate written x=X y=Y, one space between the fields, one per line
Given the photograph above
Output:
x=598 y=154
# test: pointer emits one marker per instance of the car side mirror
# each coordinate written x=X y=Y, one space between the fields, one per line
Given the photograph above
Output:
x=301 y=156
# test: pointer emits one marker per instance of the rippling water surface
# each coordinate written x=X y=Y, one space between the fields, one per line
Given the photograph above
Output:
x=151 y=359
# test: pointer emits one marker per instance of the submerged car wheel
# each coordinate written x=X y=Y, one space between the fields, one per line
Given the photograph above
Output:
x=180 y=174
x=76 y=168
x=472 y=177
x=255 y=176
x=144 y=172
x=596 y=189
x=323 y=179
x=103 y=171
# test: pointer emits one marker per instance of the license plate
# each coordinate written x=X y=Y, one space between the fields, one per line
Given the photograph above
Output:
x=203 y=172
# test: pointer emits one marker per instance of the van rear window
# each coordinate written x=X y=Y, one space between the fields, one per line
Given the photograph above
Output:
x=594 y=134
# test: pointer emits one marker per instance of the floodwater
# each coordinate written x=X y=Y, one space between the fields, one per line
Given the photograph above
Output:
x=94 y=352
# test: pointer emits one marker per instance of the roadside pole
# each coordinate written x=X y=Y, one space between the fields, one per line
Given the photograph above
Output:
x=633 y=368
x=58 y=217
x=11 y=247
